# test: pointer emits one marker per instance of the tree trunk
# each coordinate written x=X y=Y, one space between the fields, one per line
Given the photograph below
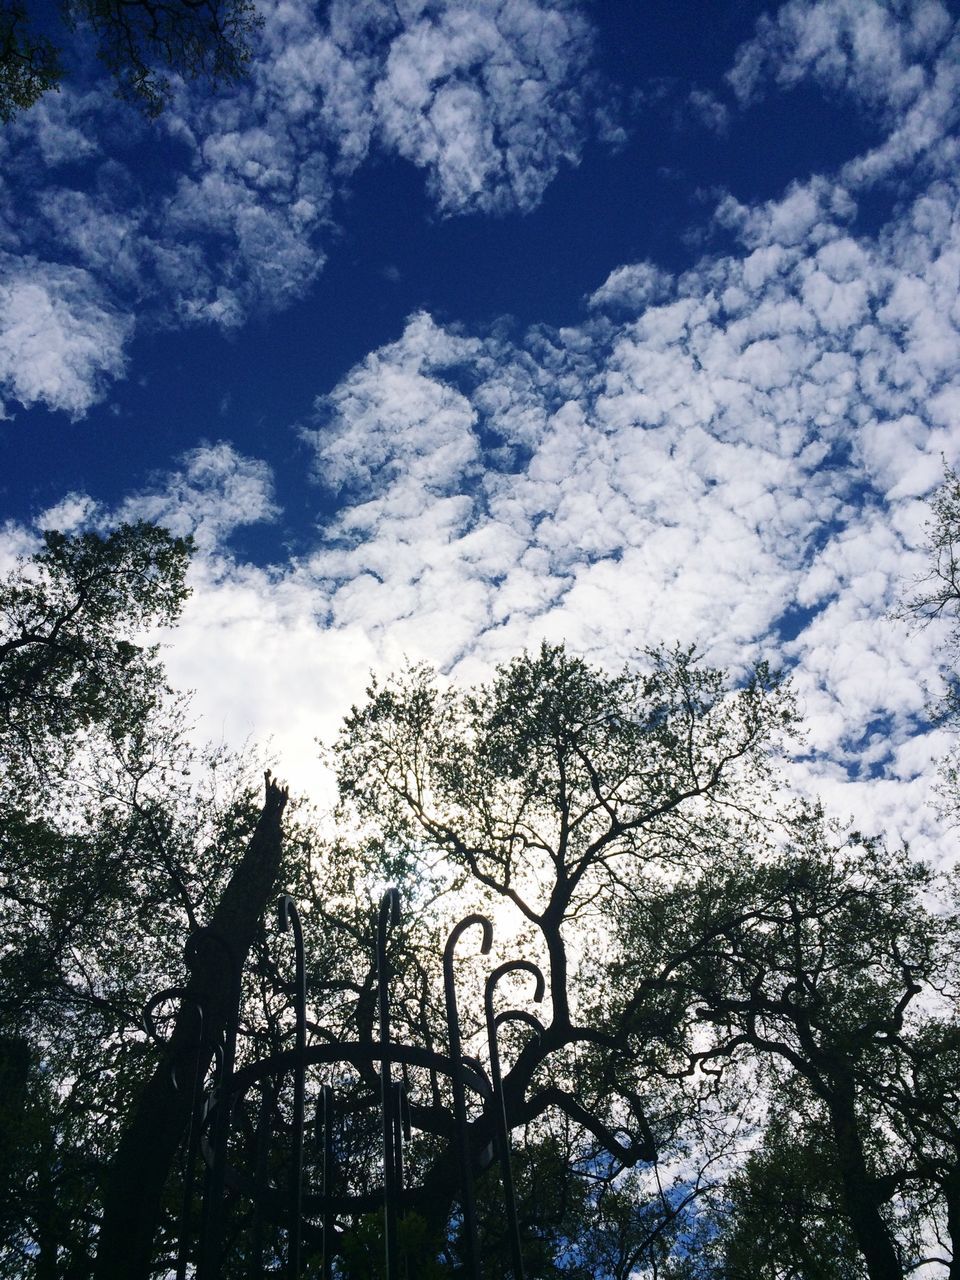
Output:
x=951 y=1193
x=135 y=1181
x=869 y=1228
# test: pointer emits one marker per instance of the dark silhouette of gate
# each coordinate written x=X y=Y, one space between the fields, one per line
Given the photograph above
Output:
x=276 y=1189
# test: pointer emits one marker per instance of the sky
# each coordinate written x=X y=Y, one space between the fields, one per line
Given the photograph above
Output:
x=462 y=325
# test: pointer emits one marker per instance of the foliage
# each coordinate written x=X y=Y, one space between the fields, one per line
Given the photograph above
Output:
x=938 y=591
x=29 y=63
x=139 y=42
x=69 y=665
x=115 y=839
x=565 y=801
x=749 y=1046
x=705 y=945
x=936 y=597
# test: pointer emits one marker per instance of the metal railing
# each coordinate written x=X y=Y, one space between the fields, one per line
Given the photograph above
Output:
x=282 y=1202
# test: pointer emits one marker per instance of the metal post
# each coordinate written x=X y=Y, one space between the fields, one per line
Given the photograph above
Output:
x=260 y=1182
x=289 y=917
x=389 y=915
x=326 y=1264
x=499 y=1107
x=467 y=1203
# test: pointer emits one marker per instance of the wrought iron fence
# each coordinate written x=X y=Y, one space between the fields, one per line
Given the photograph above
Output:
x=300 y=1190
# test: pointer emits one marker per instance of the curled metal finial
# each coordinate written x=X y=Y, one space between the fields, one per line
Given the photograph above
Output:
x=289 y=918
x=515 y=966
x=520 y=1015
x=500 y=1109
x=467 y=1203
x=186 y=998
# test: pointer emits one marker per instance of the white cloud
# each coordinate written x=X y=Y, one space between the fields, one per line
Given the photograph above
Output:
x=897 y=60
x=486 y=96
x=871 y=49
x=216 y=491
x=74 y=512
x=710 y=111
x=60 y=340
x=730 y=455
x=633 y=287
x=713 y=458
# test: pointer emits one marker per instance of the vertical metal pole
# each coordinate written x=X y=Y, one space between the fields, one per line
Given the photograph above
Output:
x=260 y=1183
x=499 y=1103
x=389 y=915
x=193 y=1151
x=289 y=917
x=402 y=1131
x=326 y=1265
x=467 y=1203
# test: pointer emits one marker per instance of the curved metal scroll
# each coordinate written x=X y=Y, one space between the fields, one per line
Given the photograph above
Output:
x=499 y=1106
x=459 y=1089
x=309 y=1213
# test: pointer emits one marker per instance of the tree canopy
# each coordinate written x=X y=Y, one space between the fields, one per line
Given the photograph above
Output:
x=745 y=1062
x=139 y=42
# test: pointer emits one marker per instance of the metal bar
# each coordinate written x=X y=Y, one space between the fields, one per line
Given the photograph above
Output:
x=260 y=1182
x=499 y=1107
x=326 y=1264
x=401 y=1130
x=290 y=918
x=389 y=916
x=467 y=1202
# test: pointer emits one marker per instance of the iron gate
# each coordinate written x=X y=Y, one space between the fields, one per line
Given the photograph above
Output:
x=313 y=1205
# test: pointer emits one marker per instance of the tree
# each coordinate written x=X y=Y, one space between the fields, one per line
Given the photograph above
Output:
x=749 y=1043
x=936 y=597
x=29 y=64
x=153 y=1133
x=138 y=42
x=117 y=839
x=715 y=957
x=821 y=965
x=68 y=663
x=571 y=799
x=779 y=1216
x=938 y=591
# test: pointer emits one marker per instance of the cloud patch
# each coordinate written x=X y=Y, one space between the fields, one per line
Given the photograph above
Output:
x=61 y=341
x=230 y=209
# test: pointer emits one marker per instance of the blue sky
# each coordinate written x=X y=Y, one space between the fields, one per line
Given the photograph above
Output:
x=462 y=325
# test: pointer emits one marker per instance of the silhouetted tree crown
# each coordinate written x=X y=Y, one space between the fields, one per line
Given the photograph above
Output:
x=139 y=42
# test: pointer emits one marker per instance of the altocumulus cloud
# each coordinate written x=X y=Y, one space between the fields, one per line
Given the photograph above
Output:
x=736 y=454
x=61 y=340
x=485 y=96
